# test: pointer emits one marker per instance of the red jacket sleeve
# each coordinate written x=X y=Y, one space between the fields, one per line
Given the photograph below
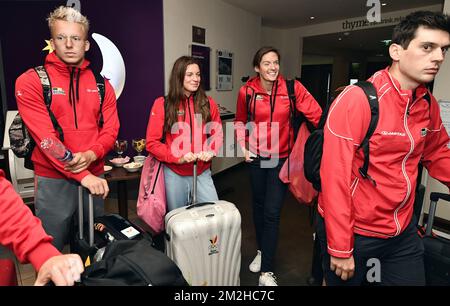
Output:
x=214 y=128
x=20 y=230
x=436 y=155
x=108 y=133
x=347 y=122
x=241 y=117
x=161 y=151
x=306 y=104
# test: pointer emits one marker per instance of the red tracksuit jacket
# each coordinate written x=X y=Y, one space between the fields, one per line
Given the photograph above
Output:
x=263 y=140
x=409 y=131
x=179 y=143
x=77 y=116
x=20 y=230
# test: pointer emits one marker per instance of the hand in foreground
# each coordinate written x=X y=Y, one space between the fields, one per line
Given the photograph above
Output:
x=80 y=161
x=62 y=270
x=97 y=186
x=343 y=267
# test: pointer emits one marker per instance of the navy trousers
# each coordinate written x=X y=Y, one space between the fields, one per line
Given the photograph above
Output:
x=268 y=193
x=388 y=262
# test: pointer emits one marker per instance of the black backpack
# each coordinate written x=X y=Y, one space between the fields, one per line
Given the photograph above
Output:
x=21 y=142
x=314 y=143
x=133 y=263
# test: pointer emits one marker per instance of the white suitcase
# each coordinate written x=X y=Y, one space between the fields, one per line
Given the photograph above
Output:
x=204 y=240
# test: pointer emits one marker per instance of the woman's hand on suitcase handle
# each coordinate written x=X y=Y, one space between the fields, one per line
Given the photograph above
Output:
x=343 y=267
x=205 y=156
x=62 y=270
x=188 y=158
x=96 y=185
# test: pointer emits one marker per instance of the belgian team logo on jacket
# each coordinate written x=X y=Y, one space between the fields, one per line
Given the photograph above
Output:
x=58 y=91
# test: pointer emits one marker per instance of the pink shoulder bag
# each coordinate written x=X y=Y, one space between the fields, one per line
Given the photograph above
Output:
x=151 y=203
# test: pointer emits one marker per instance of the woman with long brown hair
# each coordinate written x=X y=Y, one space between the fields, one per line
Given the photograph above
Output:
x=185 y=127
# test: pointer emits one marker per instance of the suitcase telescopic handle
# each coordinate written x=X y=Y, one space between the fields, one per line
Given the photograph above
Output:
x=194 y=203
x=90 y=216
x=200 y=204
x=434 y=198
x=194 y=184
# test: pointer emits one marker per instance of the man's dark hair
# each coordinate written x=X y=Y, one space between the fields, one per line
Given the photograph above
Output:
x=405 y=31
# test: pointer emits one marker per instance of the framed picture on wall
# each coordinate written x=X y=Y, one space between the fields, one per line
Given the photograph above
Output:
x=202 y=54
x=224 y=70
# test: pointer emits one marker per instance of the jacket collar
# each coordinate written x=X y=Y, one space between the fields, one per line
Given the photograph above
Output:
x=255 y=83
x=420 y=91
x=52 y=59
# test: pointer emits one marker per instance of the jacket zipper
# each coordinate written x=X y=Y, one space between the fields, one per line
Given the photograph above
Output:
x=190 y=117
x=74 y=100
x=408 y=182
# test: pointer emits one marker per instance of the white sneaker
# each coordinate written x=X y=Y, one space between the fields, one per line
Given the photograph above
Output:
x=267 y=279
x=255 y=266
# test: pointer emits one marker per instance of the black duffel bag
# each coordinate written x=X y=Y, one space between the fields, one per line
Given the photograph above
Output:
x=133 y=263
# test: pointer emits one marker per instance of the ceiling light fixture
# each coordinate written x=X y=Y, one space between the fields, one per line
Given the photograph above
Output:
x=340 y=38
x=312 y=17
x=383 y=4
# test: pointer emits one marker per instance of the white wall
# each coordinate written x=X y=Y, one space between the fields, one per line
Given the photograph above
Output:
x=440 y=91
x=227 y=27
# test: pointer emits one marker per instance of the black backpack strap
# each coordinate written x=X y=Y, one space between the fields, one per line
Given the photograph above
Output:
x=291 y=93
x=372 y=98
x=47 y=93
x=248 y=101
x=100 y=80
x=290 y=85
x=295 y=118
x=46 y=85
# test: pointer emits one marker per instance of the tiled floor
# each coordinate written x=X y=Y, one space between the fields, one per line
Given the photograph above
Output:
x=293 y=258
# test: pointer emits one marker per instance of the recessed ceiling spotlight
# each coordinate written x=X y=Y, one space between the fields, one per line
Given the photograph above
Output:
x=383 y=4
x=340 y=38
x=312 y=17
x=346 y=33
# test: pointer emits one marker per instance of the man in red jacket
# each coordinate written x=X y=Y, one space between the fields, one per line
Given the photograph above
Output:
x=76 y=107
x=23 y=233
x=368 y=223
